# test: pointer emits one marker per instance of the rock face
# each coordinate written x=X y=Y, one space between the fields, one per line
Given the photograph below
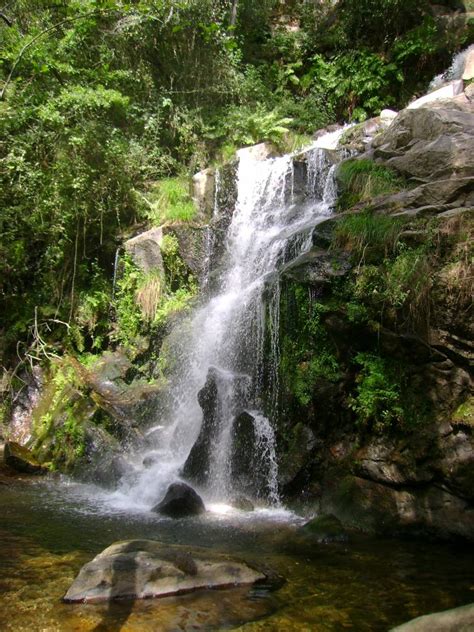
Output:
x=326 y=529
x=141 y=569
x=20 y=424
x=180 y=501
x=413 y=475
x=20 y=459
x=430 y=143
x=145 y=250
x=455 y=620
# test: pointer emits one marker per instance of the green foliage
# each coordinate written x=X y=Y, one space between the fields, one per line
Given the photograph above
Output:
x=307 y=354
x=378 y=401
x=369 y=236
x=170 y=202
x=385 y=398
x=101 y=100
x=144 y=302
x=360 y=180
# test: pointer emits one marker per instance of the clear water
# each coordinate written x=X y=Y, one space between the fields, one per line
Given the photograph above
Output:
x=49 y=529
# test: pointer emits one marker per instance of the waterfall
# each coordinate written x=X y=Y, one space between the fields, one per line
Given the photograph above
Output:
x=230 y=345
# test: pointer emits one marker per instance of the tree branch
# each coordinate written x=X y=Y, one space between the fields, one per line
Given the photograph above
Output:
x=5 y=19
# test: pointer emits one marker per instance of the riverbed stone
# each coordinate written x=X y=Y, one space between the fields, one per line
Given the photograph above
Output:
x=142 y=569
x=454 y=620
x=180 y=501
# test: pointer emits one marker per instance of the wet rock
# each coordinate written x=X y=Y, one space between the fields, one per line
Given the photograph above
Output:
x=196 y=467
x=150 y=460
x=217 y=406
x=180 y=501
x=455 y=620
x=249 y=472
x=141 y=569
x=317 y=267
x=429 y=199
x=424 y=510
x=19 y=424
x=243 y=503
x=301 y=442
x=192 y=247
x=326 y=529
x=203 y=191
x=452 y=89
x=21 y=459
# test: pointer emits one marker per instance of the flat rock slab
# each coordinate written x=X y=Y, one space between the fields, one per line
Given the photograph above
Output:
x=455 y=620
x=142 y=569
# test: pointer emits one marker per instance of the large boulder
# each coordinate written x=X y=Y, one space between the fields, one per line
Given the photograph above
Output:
x=217 y=405
x=430 y=143
x=180 y=501
x=196 y=467
x=145 y=250
x=21 y=459
x=455 y=620
x=141 y=569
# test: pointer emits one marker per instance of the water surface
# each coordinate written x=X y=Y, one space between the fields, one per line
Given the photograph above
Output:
x=49 y=529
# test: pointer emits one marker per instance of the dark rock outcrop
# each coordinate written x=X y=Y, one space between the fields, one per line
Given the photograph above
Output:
x=21 y=459
x=196 y=467
x=180 y=501
x=325 y=529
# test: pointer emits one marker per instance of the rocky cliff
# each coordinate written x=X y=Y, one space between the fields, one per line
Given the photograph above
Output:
x=376 y=410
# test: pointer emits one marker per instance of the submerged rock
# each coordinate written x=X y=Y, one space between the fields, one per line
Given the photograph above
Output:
x=180 y=501
x=243 y=503
x=141 y=569
x=326 y=529
x=455 y=620
x=20 y=459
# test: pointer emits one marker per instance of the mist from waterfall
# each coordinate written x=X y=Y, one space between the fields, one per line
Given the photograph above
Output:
x=236 y=332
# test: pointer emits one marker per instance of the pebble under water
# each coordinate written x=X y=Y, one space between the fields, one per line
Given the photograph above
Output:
x=50 y=528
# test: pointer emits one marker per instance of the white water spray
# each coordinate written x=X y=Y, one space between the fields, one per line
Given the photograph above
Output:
x=272 y=224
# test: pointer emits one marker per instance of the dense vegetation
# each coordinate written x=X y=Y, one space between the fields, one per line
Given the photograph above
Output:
x=106 y=105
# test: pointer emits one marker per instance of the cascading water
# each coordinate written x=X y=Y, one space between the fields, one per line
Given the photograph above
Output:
x=222 y=345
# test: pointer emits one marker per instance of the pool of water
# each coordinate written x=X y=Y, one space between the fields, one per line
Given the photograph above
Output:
x=50 y=528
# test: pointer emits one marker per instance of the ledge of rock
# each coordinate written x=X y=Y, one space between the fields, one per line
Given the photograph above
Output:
x=20 y=459
x=141 y=569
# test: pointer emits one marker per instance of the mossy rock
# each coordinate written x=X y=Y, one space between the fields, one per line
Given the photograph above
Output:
x=21 y=459
x=464 y=415
x=326 y=529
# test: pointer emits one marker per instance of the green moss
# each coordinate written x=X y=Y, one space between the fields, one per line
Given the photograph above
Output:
x=464 y=414
x=384 y=397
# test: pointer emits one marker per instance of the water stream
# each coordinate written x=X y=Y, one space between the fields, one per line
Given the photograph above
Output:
x=272 y=224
